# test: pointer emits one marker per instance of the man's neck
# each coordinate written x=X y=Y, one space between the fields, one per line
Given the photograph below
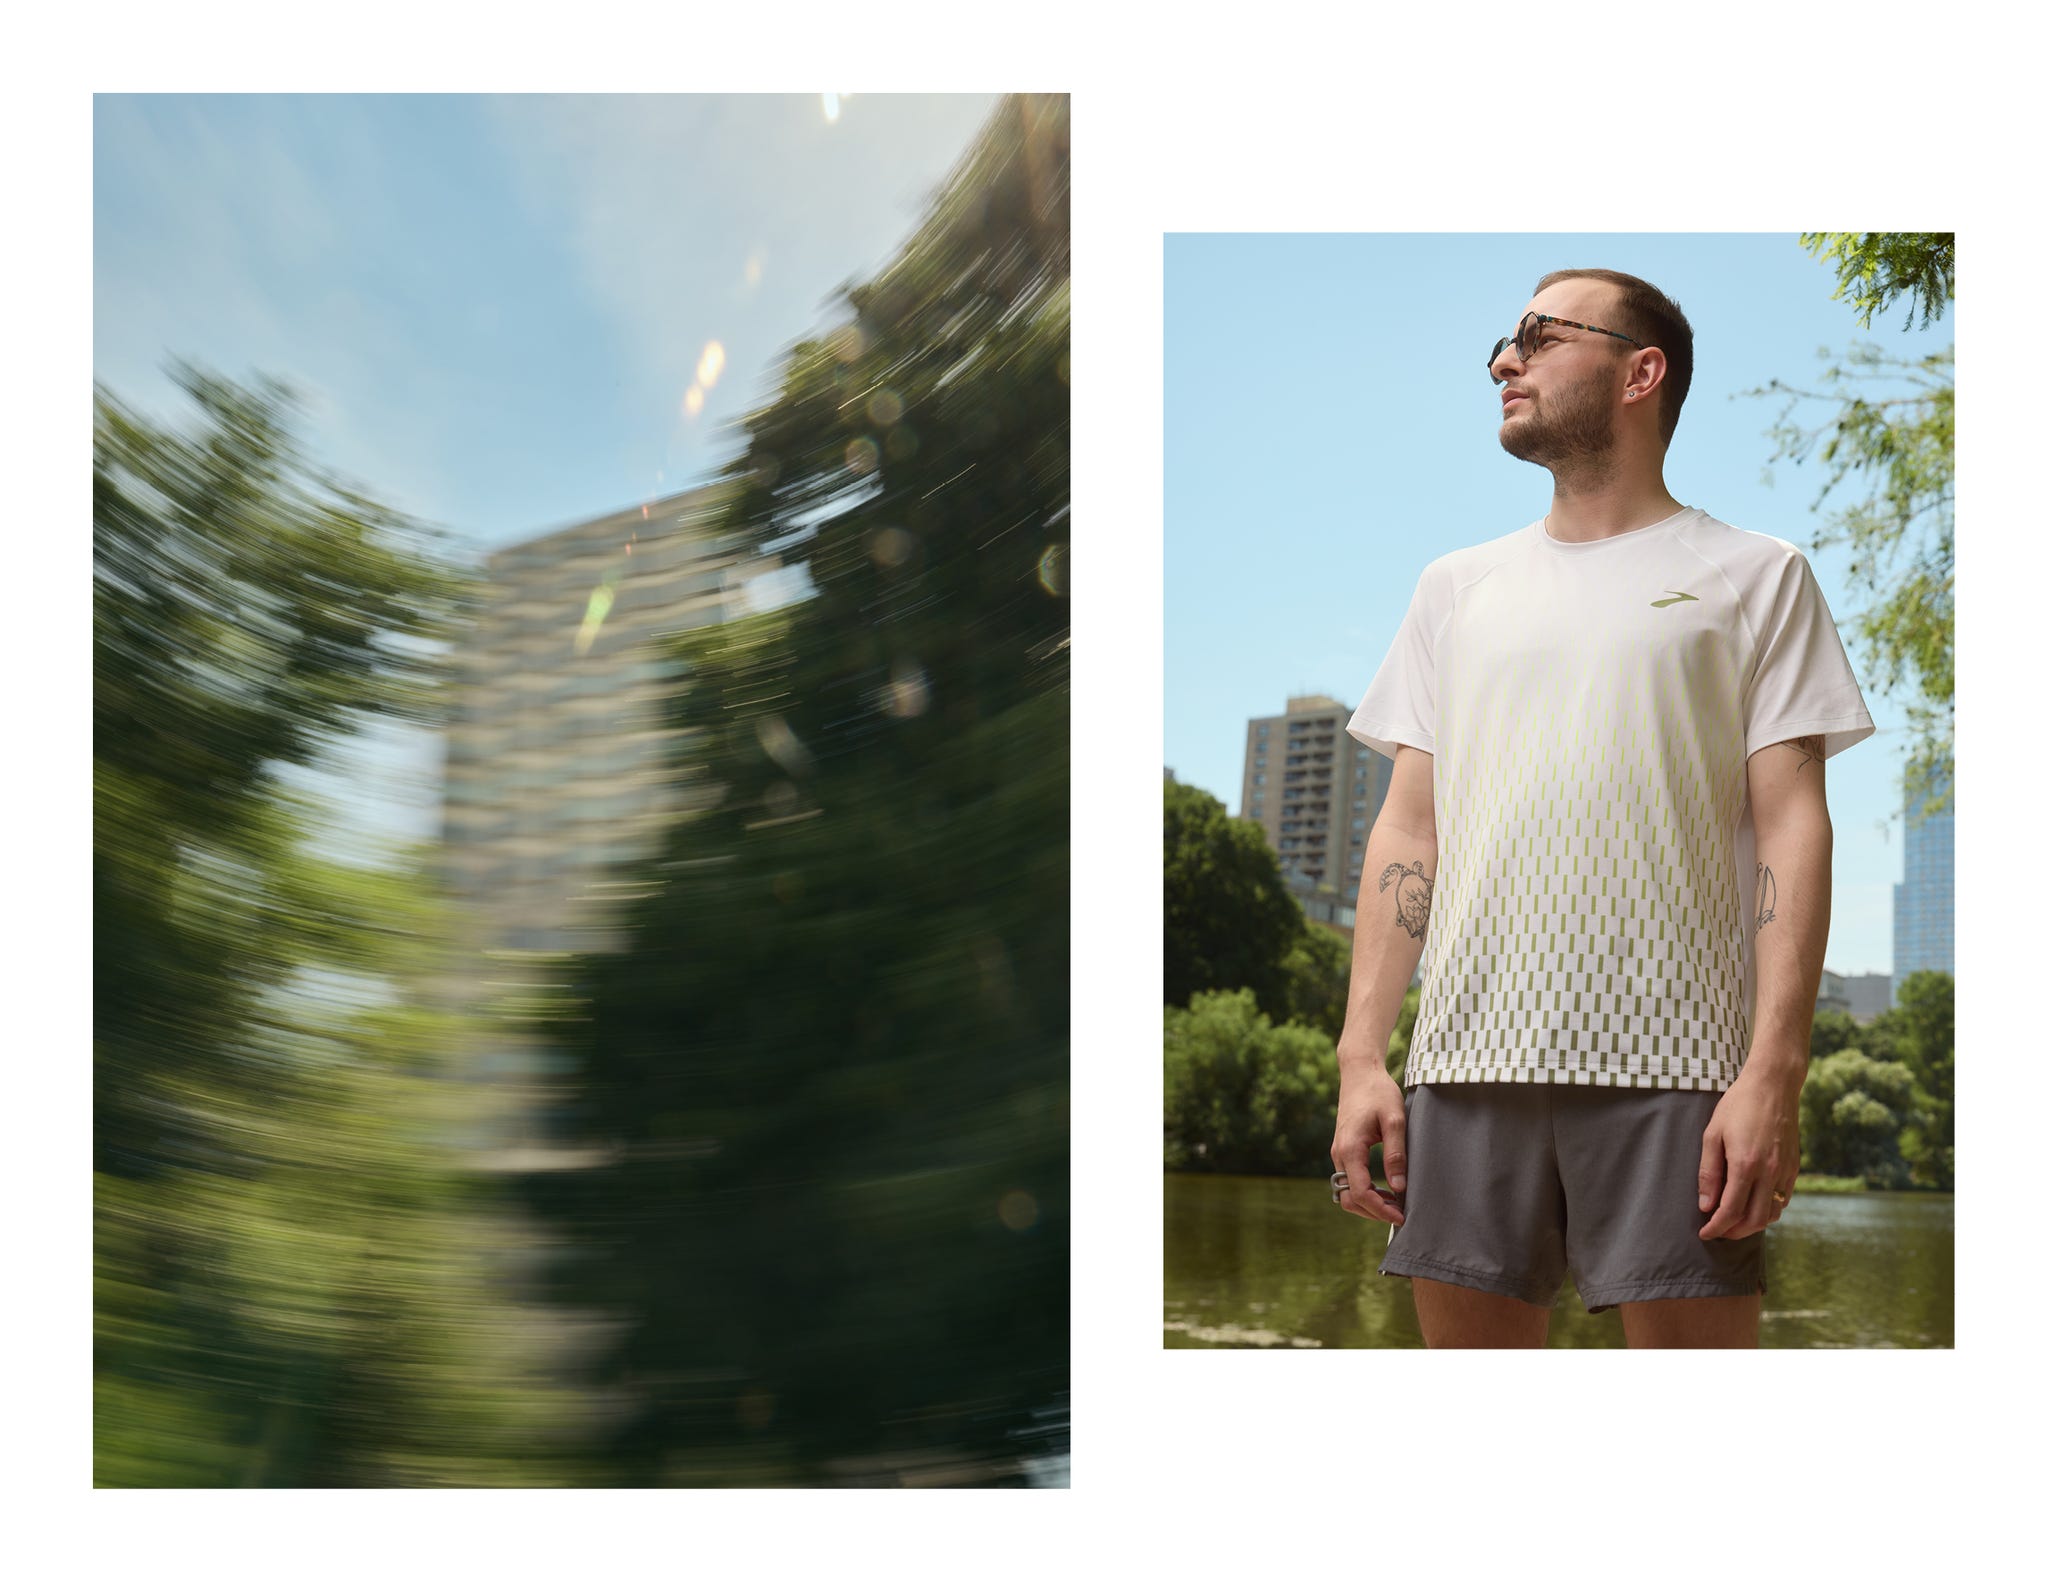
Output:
x=1589 y=504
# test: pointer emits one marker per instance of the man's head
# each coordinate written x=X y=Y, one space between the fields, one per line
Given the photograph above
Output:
x=1625 y=358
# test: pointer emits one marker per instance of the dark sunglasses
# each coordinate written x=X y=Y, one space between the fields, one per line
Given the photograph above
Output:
x=1529 y=335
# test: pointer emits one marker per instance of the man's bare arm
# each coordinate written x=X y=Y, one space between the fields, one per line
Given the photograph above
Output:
x=1395 y=889
x=1795 y=843
x=1749 y=1157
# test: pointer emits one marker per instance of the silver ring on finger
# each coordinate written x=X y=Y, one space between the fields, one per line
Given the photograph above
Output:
x=1339 y=1181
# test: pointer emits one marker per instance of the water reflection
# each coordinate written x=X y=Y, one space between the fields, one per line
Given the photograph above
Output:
x=1261 y=1262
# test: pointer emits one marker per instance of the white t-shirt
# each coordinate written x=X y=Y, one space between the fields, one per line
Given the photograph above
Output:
x=1592 y=708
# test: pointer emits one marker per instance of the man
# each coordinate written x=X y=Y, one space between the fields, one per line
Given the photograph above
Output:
x=1606 y=833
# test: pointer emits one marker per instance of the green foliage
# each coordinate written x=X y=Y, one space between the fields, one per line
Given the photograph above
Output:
x=829 y=1067
x=1243 y=1096
x=1890 y=435
x=1874 y=268
x=1916 y=1035
x=1851 y=1112
x=290 y=1285
x=1230 y=922
x=1833 y=1031
x=1925 y=1019
x=1318 y=970
x=1832 y=1185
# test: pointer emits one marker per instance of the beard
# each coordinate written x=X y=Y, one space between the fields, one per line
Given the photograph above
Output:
x=1569 y=429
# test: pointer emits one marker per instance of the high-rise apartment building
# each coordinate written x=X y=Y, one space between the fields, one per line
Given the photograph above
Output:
x=1314 y=790
x=559 y=774
x=1924 y=904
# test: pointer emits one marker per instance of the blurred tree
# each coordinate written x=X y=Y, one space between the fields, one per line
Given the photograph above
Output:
x=1925 y=1040
x=1925 y=1019
x=1318 y=970
x=1230 y=922
x=286 y=1273
x=1893 y=428
x=1833 y=1031
x=830 y=1063
x=247 y=612
x=1244 y=1097
x=1851 y=1112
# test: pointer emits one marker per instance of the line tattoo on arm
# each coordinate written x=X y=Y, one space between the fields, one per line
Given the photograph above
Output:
x=1412 y=889
x=1766 y=896
x=1812 y=750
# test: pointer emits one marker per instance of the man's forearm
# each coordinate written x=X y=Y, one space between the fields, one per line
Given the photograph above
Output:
x=1395 y=889
x=1794 y=887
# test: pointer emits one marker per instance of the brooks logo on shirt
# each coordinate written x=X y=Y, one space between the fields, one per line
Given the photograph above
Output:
x=1676 y=598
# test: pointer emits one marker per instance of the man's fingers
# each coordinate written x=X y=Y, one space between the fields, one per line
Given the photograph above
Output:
x=1394 y=1152
x=1736 y=1199
x=1712 y=1166
x=1359 y=1196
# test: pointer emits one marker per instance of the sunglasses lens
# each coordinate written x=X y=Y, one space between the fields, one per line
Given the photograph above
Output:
x=1528 y=334
x=1493 y=357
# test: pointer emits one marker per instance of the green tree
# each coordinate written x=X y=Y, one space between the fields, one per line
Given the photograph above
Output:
x=1874 y=268
x=1230 y=922
x=290 y=1285
x=1243 y=1096
x=1318 y=970
x=1925 y=1018
x=829 y=1066
x=1851 y=1112
x=1890 y=434
x=1833 y=1032
x=248 y=611
x=1925 y=1022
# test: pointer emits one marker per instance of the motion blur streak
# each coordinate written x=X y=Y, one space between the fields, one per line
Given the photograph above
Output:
x=789 y=1200
x=290 y=1273
x=827 y=1072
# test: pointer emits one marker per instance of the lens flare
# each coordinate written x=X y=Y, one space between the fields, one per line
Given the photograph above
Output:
x=909 y=694
x=693 y=400
x=831 y=106
x=890 y=546
x=1052 y=570
x=863 y=455
x=711 y=364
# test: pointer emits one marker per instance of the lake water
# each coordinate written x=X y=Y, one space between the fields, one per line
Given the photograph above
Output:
x=1257 y=1261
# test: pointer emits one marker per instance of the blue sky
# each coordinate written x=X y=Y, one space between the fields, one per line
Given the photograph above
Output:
x=495 y=308
x=1330 y=429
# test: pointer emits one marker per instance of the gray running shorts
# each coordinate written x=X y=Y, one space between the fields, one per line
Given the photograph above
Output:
x=1511 y=1184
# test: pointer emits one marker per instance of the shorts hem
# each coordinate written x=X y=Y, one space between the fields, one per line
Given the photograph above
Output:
x=1408 y=1267
x=1600 y=1298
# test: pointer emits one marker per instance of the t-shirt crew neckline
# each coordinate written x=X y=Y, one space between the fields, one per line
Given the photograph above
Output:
x=1633 y=534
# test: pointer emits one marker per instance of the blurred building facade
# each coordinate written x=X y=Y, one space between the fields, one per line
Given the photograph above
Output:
x=559 y=774
x=1924 y=902
x=1869 y=994
x=1314 y=791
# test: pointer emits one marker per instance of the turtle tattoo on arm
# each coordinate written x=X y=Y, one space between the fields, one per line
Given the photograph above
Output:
x=1411 y=896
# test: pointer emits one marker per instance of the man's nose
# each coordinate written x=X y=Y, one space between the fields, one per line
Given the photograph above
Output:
x=1505 y=365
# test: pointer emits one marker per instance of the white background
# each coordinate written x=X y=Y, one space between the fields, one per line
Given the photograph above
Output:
x=1224 y=1465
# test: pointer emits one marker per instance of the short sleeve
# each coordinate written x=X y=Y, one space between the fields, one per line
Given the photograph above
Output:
x=1400 y=705
x=1802 y=684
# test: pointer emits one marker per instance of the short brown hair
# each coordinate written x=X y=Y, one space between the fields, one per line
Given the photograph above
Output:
x=1655 y=320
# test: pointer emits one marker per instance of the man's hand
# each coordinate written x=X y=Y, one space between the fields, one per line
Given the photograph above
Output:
x=1369 y=1110
x=1751 y=1149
